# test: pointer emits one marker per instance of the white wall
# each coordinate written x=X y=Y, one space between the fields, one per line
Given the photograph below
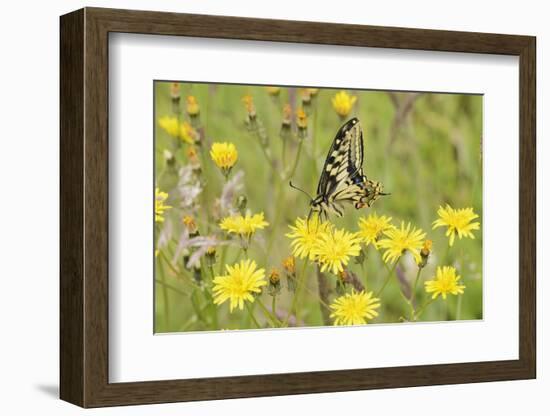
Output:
x=29 y=212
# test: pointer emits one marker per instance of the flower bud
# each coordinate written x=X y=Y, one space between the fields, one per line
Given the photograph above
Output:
x=286 y=122
x=210 y=256
x=425 y=253
x=274 y=282
x=273 y=91
x=341 y=283
x=289 y=264
x=193 y=109
x=197 y=275
x=242 y=201
x=193 y=159
x=301 y=122
x=191 y=226
x=169 y=158
x=250 y=108
x=361 y=257
x=306 y=99
x=175 y=94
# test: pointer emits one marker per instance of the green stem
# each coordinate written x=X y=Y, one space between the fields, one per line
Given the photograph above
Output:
x=264 y=144
x=178 y=272
x=314 y=138
x=192 y=320
x=212 y=307
x=237 y=256
x=222 y=259
x=294 y=305
x=196 y=307
x=323 y=296
x=423 y=307
x=205 y=194
x=283 y=154
x=364 y=273
x=169 y=286
x=388 y=277
x=274 y=305
x=295 y=165
x=251 y=314
x=279 y=211
x=413 y=295
x=459 y=300
x=165 y=297
x=272 y=317
x=447 y=251
x=458 y=308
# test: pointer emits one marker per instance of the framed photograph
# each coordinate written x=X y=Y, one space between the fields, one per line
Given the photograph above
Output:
x=256 y=207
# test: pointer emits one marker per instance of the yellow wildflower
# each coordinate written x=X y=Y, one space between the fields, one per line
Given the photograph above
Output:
x=193 y=108
x=372 y=227
x=342 y=103
x=273 y=90
x=457 y=221
x=354 y=308
x=187 y=133
x=224 y=156
x=160 y=197
x=400 y=240
x=244 y=226
x=239 y=284
x=445 y=282
x=334 y=248
x=172 y=126
x=304 y=235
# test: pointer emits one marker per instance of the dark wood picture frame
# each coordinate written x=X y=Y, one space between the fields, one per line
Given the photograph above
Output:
x=84 y=207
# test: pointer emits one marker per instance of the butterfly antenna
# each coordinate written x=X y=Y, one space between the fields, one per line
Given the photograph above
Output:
x=299 y=189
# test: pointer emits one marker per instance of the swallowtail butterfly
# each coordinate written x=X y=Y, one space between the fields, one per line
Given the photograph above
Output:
x=342 y=179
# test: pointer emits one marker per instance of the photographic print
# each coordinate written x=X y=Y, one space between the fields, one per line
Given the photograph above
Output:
x=297 y=206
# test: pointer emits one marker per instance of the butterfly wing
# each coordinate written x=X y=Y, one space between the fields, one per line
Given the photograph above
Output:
x=342 y=178
x=344 y=157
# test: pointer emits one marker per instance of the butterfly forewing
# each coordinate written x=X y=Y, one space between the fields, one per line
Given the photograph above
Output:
x=344 y=159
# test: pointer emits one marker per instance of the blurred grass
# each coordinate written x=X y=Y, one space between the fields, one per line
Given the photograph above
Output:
x=424 y=149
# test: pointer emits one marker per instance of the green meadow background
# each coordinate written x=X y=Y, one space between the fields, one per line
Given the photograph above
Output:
x=424 y=148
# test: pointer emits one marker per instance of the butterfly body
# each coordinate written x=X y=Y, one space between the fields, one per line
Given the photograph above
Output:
x=342 y=179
